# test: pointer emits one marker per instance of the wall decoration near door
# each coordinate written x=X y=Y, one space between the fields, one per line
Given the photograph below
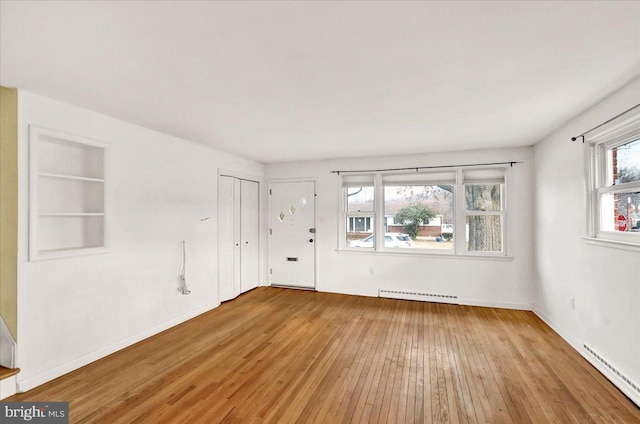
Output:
x=292 y=234
x=238 y=235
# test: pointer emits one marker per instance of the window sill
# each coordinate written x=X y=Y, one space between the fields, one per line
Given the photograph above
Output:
x=430 y=254
x=614 y=244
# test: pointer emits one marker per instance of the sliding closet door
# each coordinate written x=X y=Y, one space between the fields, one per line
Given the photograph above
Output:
x=249 y=235
x=238 y=238
x=228 y=238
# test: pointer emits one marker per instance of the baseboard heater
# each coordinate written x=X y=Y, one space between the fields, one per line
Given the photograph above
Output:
x=418 y=295
x=635 y=388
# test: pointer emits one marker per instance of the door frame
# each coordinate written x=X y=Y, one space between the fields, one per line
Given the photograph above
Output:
x=313 y=180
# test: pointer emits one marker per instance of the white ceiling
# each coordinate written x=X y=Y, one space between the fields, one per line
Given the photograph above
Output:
x=284 y=81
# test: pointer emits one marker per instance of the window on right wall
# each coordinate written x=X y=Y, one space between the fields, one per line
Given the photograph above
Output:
x=614 y=177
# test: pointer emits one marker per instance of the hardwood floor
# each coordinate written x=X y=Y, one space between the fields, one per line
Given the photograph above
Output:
x=279 y=356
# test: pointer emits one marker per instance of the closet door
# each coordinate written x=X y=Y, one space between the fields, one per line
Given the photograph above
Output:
x=228 y=238
x=249 y=235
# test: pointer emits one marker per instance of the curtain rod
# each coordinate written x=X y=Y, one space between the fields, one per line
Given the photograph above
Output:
x=604 y=123
x=417 y=168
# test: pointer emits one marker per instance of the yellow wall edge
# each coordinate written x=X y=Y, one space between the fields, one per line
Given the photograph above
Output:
x=9 y=208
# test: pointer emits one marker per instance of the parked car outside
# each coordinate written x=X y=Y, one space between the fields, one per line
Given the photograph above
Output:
x=390 y=240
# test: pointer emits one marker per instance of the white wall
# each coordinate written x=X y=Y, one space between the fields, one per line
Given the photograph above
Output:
x=604 y=281
x=506 y=283
x=74 y=310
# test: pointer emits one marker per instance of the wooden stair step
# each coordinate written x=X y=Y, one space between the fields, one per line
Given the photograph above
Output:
x=8 y=372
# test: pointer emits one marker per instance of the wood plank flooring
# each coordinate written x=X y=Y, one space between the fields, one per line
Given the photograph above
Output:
x=288 y=356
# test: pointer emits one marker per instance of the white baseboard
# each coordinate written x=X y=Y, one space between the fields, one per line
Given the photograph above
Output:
x=558 y=329
x=30 y=383
x=459 y=301
x=612 y=377
x=348 y=292
x=499 y=305
x=579 y=347
x=8 y=387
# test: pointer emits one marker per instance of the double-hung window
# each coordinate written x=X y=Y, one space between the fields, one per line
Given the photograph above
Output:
x=359 y=210
x=450 y=211
x=484 y=209
x=614 y=177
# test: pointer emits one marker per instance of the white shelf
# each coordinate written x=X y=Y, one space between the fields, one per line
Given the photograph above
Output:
x=72 y=214
x=66 y=253
x=67 y=195
x=71 y=177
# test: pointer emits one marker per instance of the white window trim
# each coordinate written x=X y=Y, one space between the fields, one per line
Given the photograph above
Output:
x=459 y=219
x=620 y=131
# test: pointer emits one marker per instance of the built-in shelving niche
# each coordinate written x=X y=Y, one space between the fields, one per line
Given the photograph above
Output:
x=67 y=191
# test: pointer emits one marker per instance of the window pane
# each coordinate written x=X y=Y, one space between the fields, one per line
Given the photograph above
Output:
x=360 y=199
x=625 y=163
x=484 y=233
x=419 y=216
x=621 y=212
x=359 y=224
x=359 y=231
x=483 y=197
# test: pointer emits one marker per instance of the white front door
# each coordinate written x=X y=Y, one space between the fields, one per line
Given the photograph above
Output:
x=292 y=234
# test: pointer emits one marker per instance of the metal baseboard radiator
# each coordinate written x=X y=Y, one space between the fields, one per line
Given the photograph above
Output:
x=418 y=295
x=635 y=387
